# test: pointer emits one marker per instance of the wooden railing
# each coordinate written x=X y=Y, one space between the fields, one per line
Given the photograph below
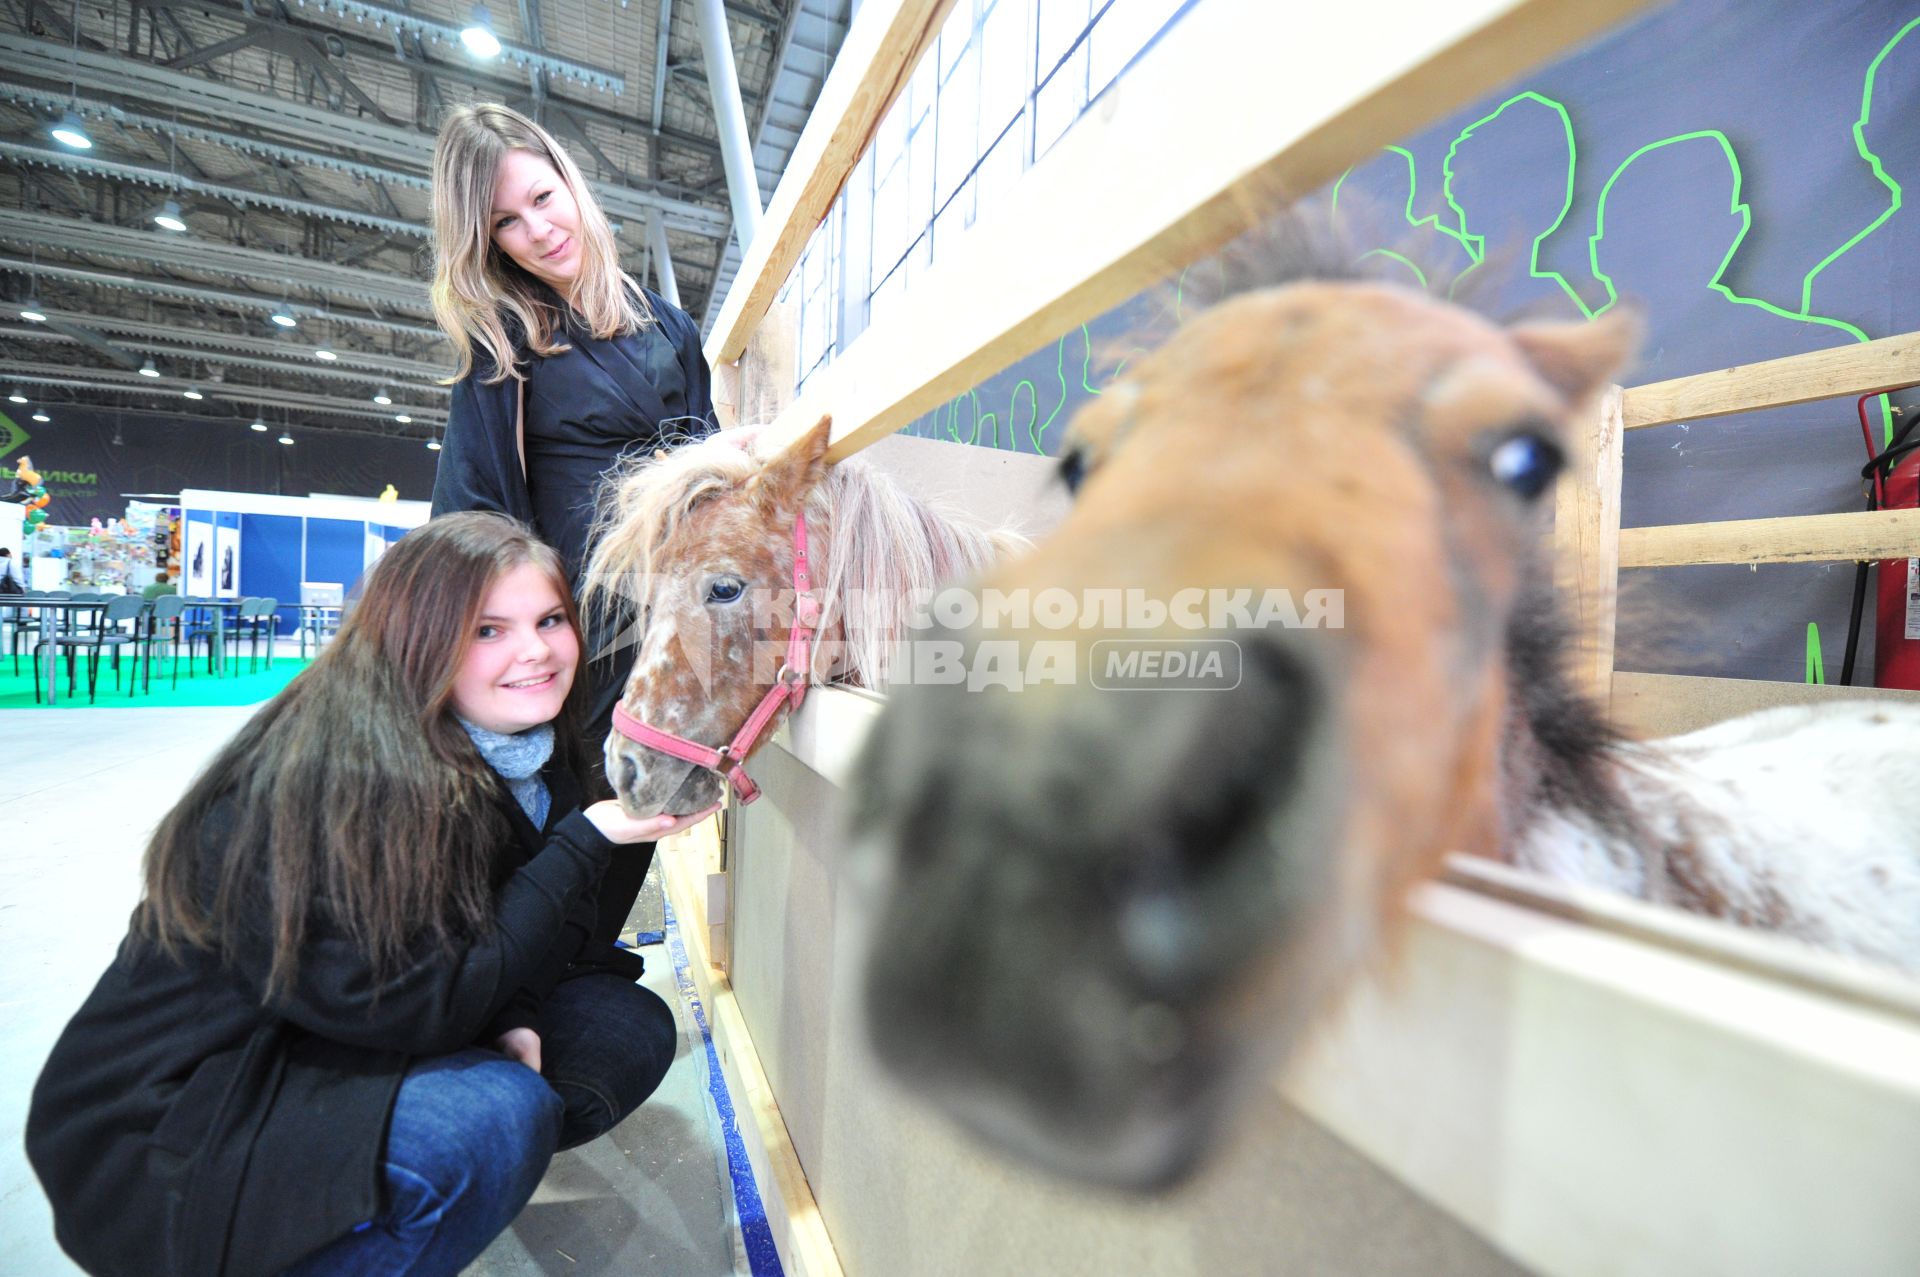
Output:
x=1592 y=548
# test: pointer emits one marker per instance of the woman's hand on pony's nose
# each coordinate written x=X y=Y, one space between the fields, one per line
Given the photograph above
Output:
x=616 y=826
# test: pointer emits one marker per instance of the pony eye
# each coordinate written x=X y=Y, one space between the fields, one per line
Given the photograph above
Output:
x=1526 y=464
x=1073 y=470
x=725 y=589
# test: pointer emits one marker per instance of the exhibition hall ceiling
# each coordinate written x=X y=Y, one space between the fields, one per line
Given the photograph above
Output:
x=255 y=163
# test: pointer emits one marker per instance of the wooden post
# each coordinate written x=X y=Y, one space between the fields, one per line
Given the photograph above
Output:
x=1586 y=534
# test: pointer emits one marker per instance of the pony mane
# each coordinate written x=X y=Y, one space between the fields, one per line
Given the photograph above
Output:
x=1571 y=747
x=883 y=546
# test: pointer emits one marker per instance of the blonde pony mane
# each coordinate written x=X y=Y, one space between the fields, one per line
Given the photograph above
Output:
x=882 y=545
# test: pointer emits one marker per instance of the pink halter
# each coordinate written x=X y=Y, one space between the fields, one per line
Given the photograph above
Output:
x=788 y=690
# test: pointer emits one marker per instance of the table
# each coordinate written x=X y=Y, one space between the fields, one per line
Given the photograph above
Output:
x=220 y=608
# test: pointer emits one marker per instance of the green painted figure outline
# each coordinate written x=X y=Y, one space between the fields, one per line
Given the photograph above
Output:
x=1873 y=161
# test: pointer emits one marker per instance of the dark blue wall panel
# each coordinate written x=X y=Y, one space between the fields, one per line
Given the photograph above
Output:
x=336 y=550
x=270 y=560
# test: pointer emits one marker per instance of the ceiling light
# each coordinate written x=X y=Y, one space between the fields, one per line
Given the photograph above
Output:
x=403 y=418
x=41 y=416
x=383 y=396
x=478 y=36
x=193 y=392
x=433 y=444
x=283 y=316
x=285 y=437
x=31 y=312
x=169 y=217
x=16 y=396
x=259 y=425
x=70 y=132
x=147 y=369
x=327 y=355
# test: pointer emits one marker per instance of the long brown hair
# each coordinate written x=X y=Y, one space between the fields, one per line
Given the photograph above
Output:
x=476 y=286
x=355 y=791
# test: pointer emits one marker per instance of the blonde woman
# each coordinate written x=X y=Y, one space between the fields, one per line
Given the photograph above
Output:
x=550 y=332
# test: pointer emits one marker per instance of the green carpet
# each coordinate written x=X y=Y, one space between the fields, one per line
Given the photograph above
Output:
x=237 y=687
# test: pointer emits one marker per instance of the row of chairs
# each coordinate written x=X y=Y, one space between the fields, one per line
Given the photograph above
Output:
x=142 y=625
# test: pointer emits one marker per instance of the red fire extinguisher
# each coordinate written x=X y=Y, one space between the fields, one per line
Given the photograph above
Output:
x=1895 y=475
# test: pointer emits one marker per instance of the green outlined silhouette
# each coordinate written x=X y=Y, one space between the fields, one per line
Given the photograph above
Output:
x=1816 y=667
x=1736 y=206
x=1874 y=162
x=944 y=421
x=1491 y=125
x=1430 y=223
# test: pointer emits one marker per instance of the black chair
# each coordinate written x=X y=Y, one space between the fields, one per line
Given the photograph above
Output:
x=106 y=632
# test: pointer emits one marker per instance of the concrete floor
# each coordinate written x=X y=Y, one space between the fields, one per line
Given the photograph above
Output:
x=79 y=792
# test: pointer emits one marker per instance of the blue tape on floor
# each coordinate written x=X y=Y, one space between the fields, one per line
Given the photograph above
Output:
x=642 y=939
x=763 y=1260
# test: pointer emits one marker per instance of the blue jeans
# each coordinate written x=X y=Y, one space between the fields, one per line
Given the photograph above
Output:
x=472 y=1132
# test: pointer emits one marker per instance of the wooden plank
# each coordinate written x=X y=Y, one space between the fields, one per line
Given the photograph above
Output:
x=799 y=1233
x=1150 y=180
x=1593 y=1103
x=1806 y=538
x=1586 y=533
x=1865 y=369
x=1652 y=705
x=884 y=44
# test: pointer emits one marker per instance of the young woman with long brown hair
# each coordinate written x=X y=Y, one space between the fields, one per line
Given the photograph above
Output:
x=358 y=1008
x=566 y=365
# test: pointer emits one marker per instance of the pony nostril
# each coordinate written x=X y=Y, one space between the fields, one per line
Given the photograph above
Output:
x=629 y=776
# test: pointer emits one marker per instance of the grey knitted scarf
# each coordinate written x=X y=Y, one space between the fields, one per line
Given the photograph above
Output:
x=518 y=759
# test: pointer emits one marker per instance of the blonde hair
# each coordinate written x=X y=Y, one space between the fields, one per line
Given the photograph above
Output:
x=475 y=285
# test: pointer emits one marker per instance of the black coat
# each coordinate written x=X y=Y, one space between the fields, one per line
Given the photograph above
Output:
x=479 y=466
x=181 y=1127
x=602 y=400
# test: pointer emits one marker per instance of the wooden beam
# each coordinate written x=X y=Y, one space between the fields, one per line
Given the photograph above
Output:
x=1586 y=534
x=1241 y=107
x=1867 y=369
x=1651 y=705
x=1807 y=538
x=885 y=43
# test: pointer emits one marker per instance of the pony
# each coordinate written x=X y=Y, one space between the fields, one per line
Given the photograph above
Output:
x=713 y=550
x=1105 y=905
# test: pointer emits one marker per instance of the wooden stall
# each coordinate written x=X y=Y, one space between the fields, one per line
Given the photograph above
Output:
x=1548 y=1080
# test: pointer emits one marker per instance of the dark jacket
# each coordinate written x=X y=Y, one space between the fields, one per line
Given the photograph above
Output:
x=181 y=1127
x=593 y=392
x=479 y=466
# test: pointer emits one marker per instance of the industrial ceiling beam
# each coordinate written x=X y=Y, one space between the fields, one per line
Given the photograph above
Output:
x=67 y=330
x=37 y=374
x=282 y=270
x=279 y=348
x=220 y=297
x=443 y=31
x=409 y=148
x=165 y=180
x=306 y=367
